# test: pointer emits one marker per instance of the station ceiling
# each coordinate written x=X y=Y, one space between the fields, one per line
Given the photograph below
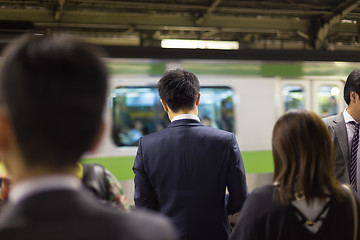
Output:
x=255 y=24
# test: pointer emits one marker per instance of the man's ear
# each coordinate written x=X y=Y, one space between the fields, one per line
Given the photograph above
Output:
x=197 y=101
x=165 y=106
x=353 y=96
x=98 y=137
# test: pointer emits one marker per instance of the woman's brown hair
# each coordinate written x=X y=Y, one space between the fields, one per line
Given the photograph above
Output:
x=304 y=159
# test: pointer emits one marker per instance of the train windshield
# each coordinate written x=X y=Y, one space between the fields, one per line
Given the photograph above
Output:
x=137 y=111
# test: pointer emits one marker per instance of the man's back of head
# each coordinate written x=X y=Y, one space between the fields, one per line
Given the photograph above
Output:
x=53 y=92
x=179 y=89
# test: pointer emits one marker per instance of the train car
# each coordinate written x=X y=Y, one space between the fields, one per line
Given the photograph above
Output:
x=244 y=97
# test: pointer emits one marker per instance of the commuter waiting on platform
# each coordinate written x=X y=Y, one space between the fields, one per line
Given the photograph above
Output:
x=344 y=129
x=183 y=170
x=305 y=201
x=52 y=96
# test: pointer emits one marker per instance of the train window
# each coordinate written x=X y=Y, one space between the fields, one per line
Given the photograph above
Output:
x=216 y=107
x=328 y=99
x=293 y=97
x=137 y=111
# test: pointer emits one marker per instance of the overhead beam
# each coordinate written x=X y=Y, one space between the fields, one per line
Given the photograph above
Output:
x=210 y=33
x=59 y=10
x=213 y=6
x=303 y=35
x=209 y=11
x=122 y=21
x=227 y=7
x=169 y=8
x=146 y=19
x=323 y=30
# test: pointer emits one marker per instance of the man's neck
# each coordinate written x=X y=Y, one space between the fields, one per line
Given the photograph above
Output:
x=193 y=111
x=353 y=114
x=38 y=172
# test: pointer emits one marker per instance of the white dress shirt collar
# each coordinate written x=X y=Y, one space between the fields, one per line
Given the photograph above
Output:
x=347 y=117
x=27 y=188
x=185 y=116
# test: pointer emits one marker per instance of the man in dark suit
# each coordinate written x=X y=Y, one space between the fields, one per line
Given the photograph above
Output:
x=183 y=171
x=52 y=96
x=342 y=128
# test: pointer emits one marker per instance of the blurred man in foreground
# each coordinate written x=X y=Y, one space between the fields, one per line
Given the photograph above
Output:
x=52 y=95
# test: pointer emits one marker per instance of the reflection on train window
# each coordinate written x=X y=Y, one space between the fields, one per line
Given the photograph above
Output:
x=137 y=111
x=328 y=99
x=294 y=97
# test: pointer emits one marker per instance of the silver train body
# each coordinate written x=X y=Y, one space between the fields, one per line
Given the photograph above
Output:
x=251 y=94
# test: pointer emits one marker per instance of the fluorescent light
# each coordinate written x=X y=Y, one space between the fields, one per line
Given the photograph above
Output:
x=201 y=44
x=335 y=91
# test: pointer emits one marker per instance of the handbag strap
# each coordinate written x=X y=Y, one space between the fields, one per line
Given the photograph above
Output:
x=354 y=207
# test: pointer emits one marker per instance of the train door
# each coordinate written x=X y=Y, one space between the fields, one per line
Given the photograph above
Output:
x=324 y=97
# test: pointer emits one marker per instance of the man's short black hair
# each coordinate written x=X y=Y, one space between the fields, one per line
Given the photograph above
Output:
x=54 y=91
x=352 y=84
x=178 y=89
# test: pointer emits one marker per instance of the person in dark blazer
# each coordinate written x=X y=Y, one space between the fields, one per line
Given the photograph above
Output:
x=183 y=170
x=52 y=96
x=342 y=128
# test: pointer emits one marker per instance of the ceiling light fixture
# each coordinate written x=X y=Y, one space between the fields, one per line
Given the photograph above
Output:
x=199 y=44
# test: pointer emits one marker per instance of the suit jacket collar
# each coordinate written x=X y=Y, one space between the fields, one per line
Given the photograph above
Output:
x=33 y=186
x=184 y=122
x=48 y=203
x=341 y=133
x=339 y=118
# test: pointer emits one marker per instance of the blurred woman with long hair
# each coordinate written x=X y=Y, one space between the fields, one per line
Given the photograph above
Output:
x=305 y=200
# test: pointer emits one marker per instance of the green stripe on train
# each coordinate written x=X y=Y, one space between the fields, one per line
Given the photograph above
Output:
x=292 y=69
x=136 y=68
x=271 y=69
x=121 y=167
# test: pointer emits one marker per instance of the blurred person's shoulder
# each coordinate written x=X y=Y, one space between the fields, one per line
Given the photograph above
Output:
x=138 y=224
x=150 y=225
x=84 y=218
